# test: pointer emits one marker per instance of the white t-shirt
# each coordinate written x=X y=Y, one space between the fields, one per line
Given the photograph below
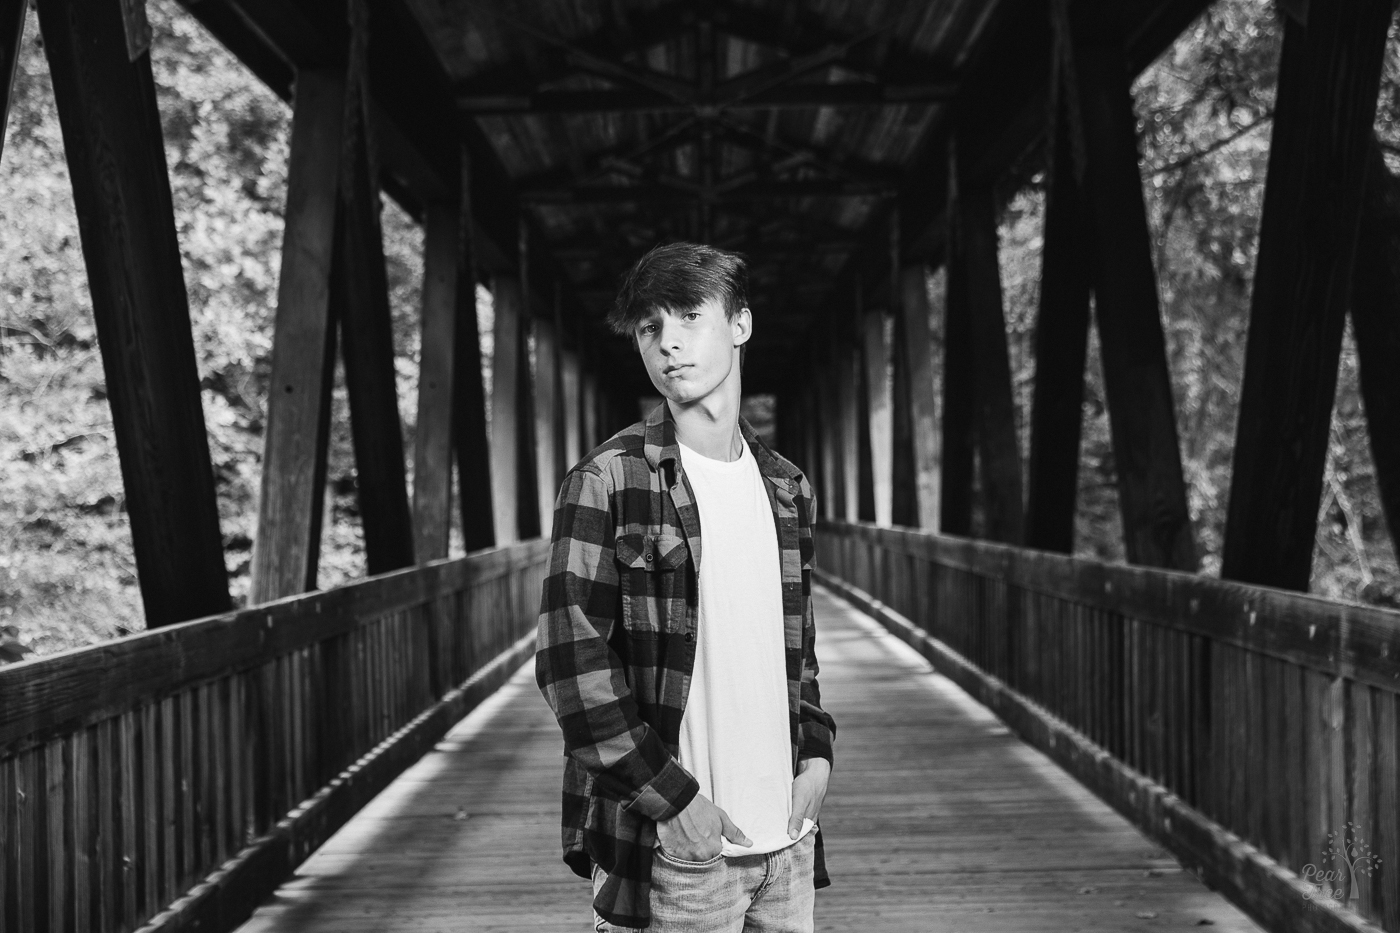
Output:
x=734 y=735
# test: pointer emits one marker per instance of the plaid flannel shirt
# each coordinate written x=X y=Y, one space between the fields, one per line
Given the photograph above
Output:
x=617 y=646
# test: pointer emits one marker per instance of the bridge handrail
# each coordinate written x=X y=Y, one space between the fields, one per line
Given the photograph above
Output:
x=1254 y=732
x=170 y=779
x=1342 y=639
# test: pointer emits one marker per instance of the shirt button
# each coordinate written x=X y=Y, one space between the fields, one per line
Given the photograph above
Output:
x=648 y=558
x=690 y=638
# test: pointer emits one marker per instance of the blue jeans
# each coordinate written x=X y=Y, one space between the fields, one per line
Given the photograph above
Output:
x=769 y=893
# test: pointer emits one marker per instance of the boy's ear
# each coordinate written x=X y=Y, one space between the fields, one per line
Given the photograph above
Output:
x=743 y=326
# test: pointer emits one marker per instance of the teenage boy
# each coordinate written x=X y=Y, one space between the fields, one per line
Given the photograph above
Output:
x=684 y=679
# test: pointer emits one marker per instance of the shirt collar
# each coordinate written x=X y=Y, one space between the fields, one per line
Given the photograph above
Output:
x=660 y=446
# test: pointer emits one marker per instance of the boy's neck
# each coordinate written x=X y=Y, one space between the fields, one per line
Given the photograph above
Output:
x=710 y=427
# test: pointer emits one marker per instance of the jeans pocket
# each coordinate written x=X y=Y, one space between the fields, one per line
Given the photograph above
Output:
x=686 y=863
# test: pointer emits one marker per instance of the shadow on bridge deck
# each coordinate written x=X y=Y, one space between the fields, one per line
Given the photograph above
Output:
x=937 y=819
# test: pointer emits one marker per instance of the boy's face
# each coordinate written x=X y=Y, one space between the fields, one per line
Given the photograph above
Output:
x=689 y=354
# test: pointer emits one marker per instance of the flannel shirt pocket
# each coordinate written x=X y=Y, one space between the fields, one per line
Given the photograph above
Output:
x=646 y=568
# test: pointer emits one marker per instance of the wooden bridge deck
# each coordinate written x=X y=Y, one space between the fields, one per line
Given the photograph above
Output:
x=937 y=820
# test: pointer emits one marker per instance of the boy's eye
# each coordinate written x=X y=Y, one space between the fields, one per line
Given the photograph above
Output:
x=648 y=329
x=691 y=315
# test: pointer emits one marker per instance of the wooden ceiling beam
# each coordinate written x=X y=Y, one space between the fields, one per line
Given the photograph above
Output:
x=685 y=190
x=539 y=102
x=801 y=33
x=794 y=153
x=616 y=39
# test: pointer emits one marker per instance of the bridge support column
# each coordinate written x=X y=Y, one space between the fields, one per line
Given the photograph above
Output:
x=1375 y=318
x=432 y=446
x=832 y=433
x=360 y=292
x=879 y=415
x=547 y=412
x=1329 y=74
x=848 y=396
x=1061 y=337
x=588 y=392
x=116 y=160
x=915 y=345
x=470 y=438
x=528 y=465
x=287 y=545
x=1142 y=415
x=505 y=402
x=974 y=298
x=569 y=398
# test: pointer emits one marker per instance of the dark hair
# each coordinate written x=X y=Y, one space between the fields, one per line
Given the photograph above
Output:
x=680 y=277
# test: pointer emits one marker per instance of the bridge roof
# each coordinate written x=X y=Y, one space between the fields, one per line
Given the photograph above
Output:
x=800 y=134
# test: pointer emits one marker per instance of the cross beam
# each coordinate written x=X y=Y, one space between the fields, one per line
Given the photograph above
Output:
x=683 y=190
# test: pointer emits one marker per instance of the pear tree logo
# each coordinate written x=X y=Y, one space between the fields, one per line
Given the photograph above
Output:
x=1348 y=859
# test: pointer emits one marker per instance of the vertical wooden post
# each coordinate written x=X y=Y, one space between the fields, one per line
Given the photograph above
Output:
x=848 y=392
x=1375 y=318
x=1142 y=415
x=590 y=409
x=808 y=460
x=528 y=512
x=360 y=290
x=469 y=434
x=1329 y=74
x=904 y=496
x=286 y=547
x=12 y=13
x=973 y=252
x=865 y=483
x=432 y=443
x=505 y=401
x=880 y=417
x=959 y=375
x=546 y=393
x=116 y=161
x=569 y=398
x=917 y=343
x=1061 y=334
x=832 y=433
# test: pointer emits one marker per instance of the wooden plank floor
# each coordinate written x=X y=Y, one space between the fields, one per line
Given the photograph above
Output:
x=937 y=820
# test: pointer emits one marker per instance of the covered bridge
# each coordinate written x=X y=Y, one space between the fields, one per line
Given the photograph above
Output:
x=175 y=778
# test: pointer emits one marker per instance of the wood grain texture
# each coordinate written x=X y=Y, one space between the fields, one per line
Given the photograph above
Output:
x=288 y=535
x=936 y=819
x=116 y=162
x=1329 y=72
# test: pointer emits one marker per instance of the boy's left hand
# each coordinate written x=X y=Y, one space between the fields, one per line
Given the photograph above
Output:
x=808 y=792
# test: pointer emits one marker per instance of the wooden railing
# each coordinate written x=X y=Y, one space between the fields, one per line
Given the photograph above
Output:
x=1252 y=731
x=170 y=780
